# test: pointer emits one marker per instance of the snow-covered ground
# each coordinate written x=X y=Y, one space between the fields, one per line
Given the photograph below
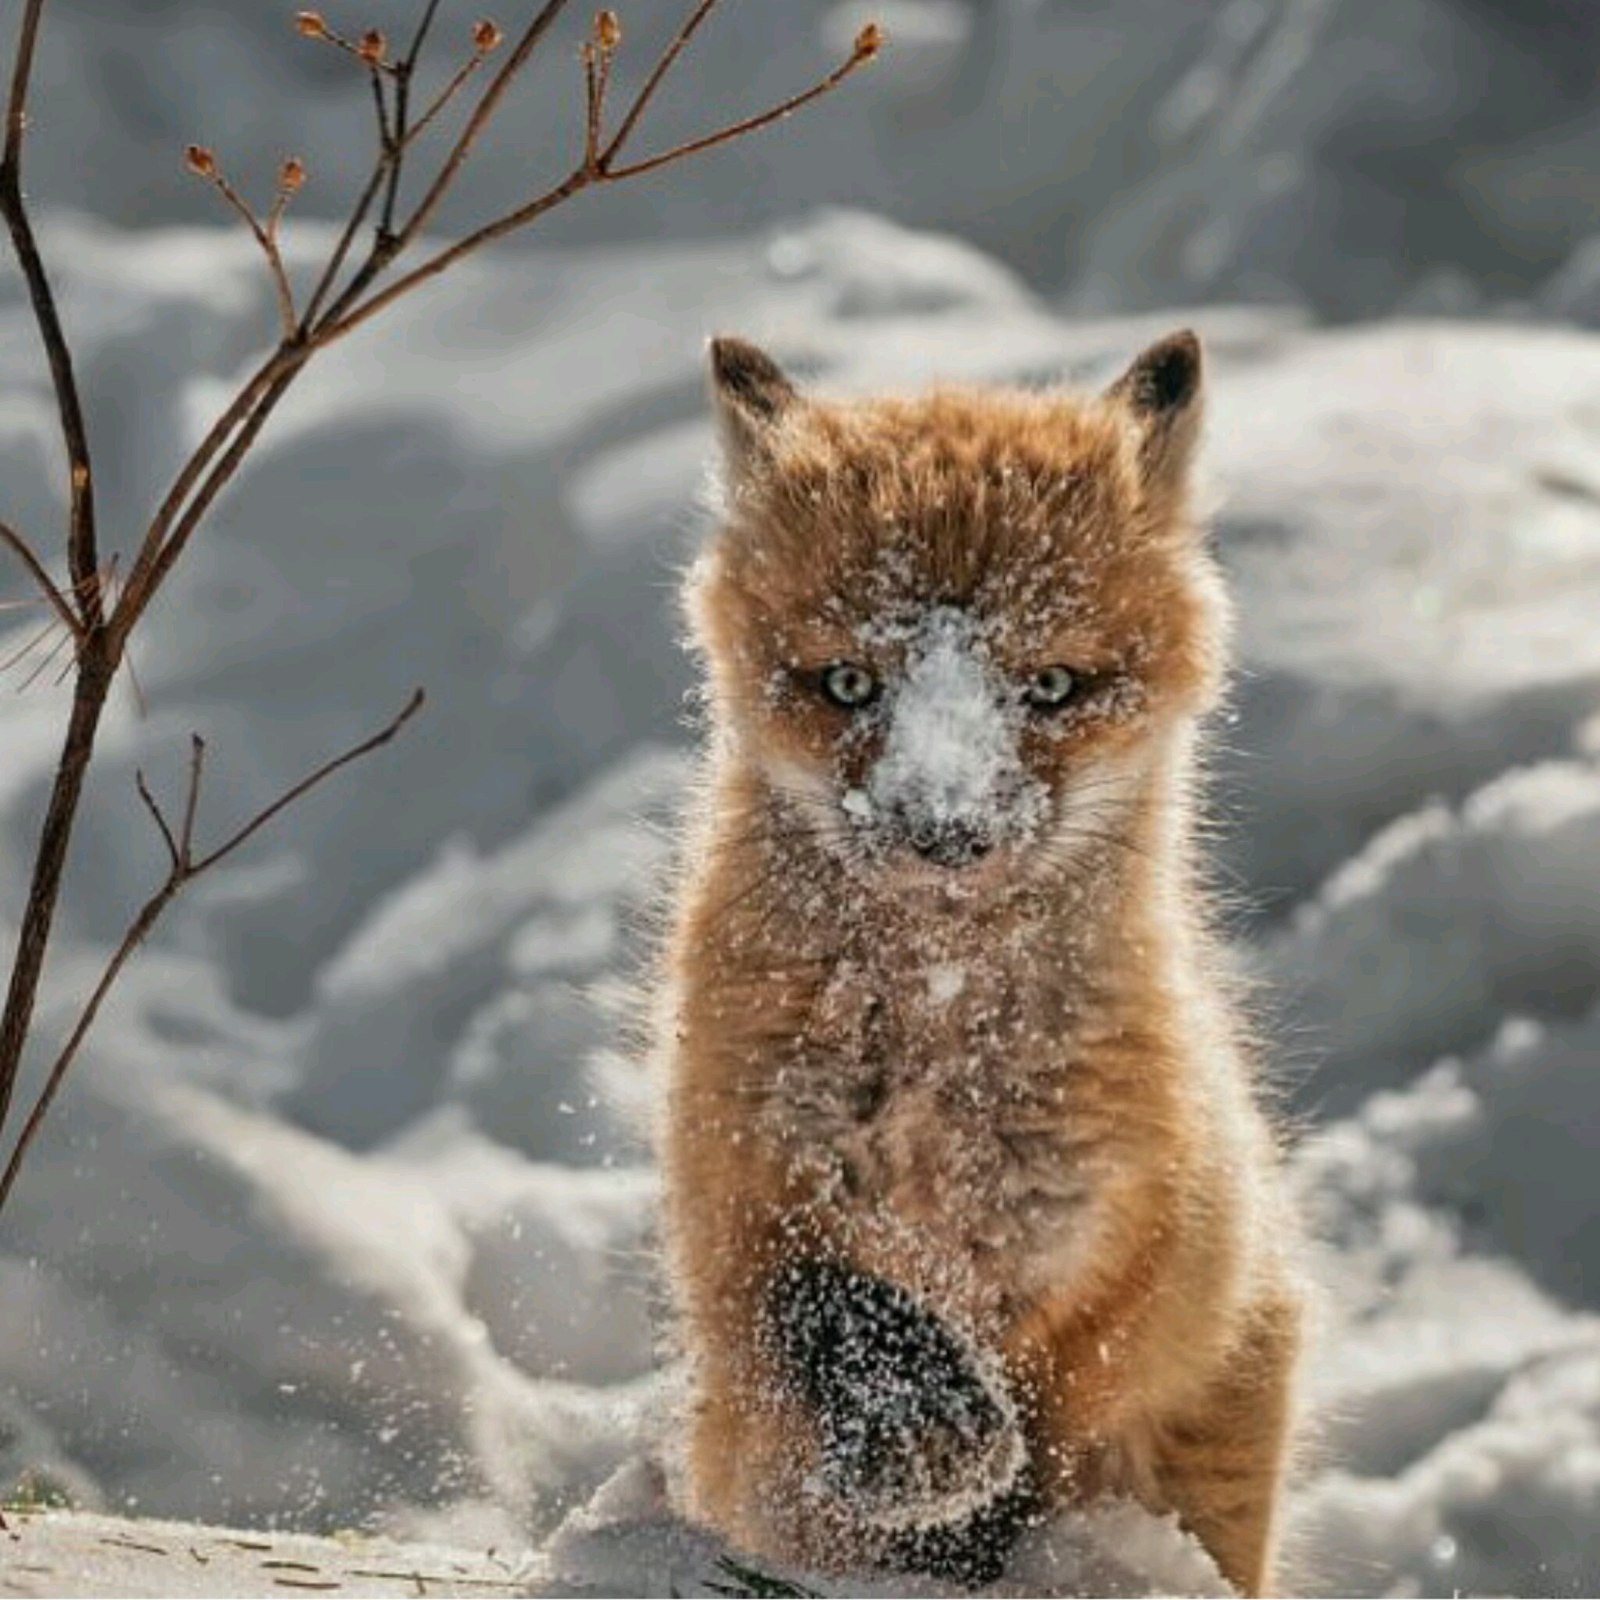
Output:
x=345 y=1218
x=63 y=1554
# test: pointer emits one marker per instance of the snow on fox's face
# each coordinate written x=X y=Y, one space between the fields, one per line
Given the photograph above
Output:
x=952 y=631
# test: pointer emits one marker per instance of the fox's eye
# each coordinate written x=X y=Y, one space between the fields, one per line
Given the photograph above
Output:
x=1050 y=688
x=848 y=685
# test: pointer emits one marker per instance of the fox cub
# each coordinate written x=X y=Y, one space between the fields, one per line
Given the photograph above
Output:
x=971 y=1208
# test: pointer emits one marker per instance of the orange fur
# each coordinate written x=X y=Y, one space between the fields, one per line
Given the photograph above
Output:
x=1021 y=1088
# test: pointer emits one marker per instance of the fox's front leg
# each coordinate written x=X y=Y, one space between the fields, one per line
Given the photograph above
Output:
x=1222 y=1468
x=748 y=1436
x=1095 y=1381
x=912 y=1431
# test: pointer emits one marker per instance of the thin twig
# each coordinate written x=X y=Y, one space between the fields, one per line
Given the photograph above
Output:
x=591 y=107
x=135 y=936
x=191 y=799
x=212 y=485
x=442 y=99
x=418 y=699
x=388 y=142
x=42 y=666
x=868 y=42
x=24 y=553
x=26 y=649
x=136 y=590
x=280 y=204
x=395 y=144
x=641 y=101
x=737 y=130
x=599 y=56
x=160 y=819
x=333 y=329
x=204 y=164
x=81 y=541
x=330 y=273
x=420 y=37
x=488 y=102
x=183 y=870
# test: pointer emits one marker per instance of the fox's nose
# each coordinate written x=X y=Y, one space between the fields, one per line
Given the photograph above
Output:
x=950 y=843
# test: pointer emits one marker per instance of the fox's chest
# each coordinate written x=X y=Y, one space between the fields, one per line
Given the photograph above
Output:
x=942 y=1102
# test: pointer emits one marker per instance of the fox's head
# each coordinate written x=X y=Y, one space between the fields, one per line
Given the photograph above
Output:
x=955 y=633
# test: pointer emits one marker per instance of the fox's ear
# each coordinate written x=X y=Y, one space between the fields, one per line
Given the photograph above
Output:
x=1161 y=392
x=751 y=394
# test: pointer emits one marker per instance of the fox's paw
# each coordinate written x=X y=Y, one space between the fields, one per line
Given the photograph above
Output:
x=916 y=1430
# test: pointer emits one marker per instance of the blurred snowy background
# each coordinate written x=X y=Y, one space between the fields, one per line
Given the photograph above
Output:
x=341 y=1221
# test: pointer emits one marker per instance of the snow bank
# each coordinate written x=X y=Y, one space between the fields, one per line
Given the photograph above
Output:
x=1462 y=1381
x=344 y=1218
x=1447 y=919
x=629 y=1541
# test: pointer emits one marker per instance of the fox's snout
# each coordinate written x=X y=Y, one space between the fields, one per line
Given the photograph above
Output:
x=952 y=842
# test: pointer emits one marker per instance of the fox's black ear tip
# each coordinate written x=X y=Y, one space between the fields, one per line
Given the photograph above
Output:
x=1159 y=395
x=728 y=354
x=748 y=377
x=1168 y=375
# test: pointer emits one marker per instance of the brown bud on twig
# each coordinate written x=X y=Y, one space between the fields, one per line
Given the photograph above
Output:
x=373 y=48
x=608 y=31
x=311 y=24
x=869 y=42
x=486 y=37
x=291 y=176
x=200 y=161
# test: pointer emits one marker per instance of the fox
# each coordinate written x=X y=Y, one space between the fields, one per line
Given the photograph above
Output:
x=973 y=1196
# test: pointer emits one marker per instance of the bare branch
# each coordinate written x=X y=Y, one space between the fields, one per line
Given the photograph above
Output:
x=217 y=479
x=161 y=822
x=131 y=940
x=443 y=98
x=868 y=42
x=261 y=819
x=599 y=55
x=420 y=37
x=100 y=621
x=691 y=26
x=486 y=39
x=203 y=164
x=42 y=666
x=391 y=136
x=24 y=553
x=737 y=130
x=82 y=559
x=55 y=835
x=330 y=273
x=386 y=134
x=371 y=49
x=191 y=799
x=137 y=589
x=592 y=108
x=26 y=648
x=431 y=268
x=487 y=104
x=108 y=580
x=291 y=179
x=184 y=870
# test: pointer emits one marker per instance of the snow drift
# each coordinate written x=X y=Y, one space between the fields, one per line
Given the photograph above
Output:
x=345 y=1217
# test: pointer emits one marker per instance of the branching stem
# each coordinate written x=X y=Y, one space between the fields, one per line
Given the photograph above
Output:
x=82 y=559
x=184 y=867
x=344 y=297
